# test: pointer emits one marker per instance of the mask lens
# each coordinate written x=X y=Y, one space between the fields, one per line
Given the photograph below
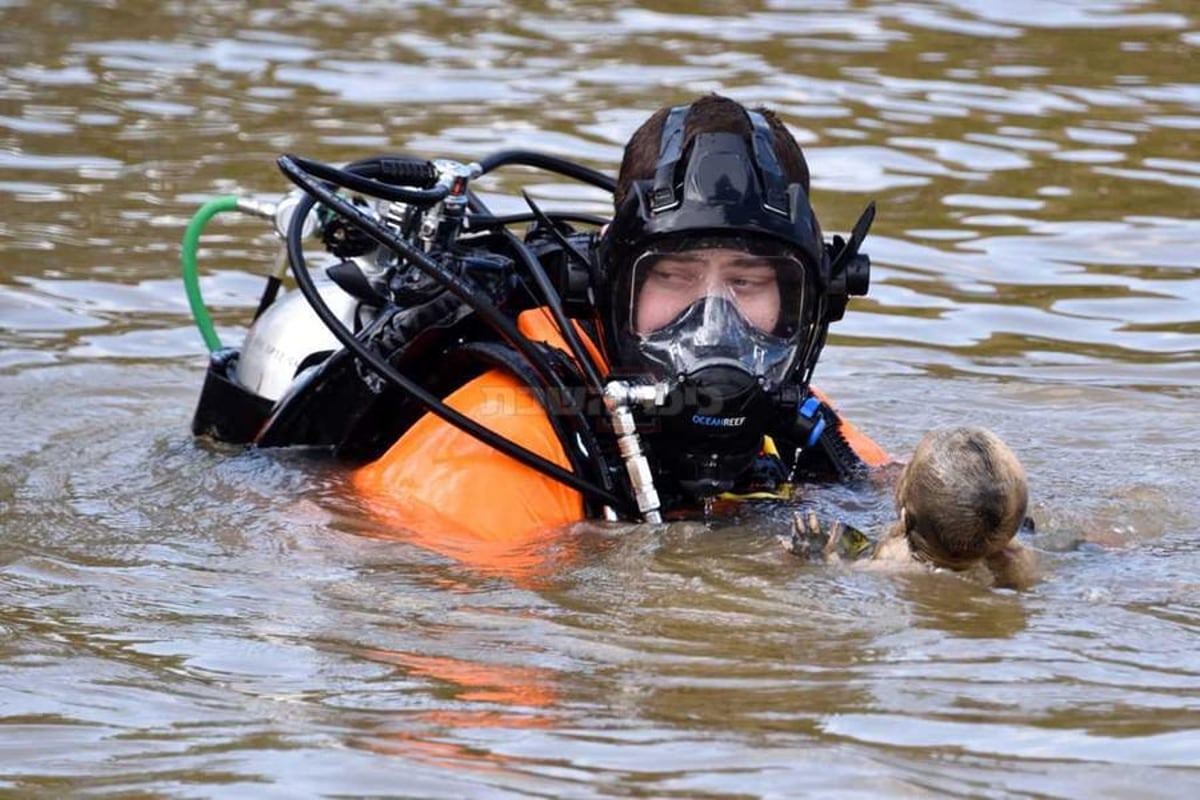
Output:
x=768 y=291
x=697 y=308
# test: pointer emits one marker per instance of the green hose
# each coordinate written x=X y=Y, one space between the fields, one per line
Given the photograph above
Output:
x=191 y=280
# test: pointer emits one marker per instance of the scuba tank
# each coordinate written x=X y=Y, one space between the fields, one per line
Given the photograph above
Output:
x=286 y=336
x=243 y=385
x=289 y=336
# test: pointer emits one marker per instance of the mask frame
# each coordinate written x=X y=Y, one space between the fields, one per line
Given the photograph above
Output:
x=720 y=185
x=706 y=322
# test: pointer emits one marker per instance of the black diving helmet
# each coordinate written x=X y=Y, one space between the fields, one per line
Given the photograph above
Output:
x=719 y=278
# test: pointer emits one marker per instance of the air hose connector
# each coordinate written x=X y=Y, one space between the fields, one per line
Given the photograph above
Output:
x=619 y=397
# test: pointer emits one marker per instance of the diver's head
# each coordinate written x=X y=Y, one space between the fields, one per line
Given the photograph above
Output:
x=717 y=278
x=712 y=205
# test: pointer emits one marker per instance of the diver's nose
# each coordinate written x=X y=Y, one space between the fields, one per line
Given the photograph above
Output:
x=715 y=319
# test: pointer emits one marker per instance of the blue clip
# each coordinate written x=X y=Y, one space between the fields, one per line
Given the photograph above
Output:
x=809 y=409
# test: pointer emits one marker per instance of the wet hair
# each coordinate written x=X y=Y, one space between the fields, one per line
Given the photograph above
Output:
x=711 y=113
x=962 y=497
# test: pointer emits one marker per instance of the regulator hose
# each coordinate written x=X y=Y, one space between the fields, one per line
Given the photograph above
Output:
x=191 y=279
x=316 y=192
x=361 y=177
x=532 y=158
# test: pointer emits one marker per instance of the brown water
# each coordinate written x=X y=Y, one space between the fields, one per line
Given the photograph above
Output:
x=181 y=620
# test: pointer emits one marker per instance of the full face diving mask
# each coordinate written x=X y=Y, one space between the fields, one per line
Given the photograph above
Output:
x=718 y=302
x=720 y=323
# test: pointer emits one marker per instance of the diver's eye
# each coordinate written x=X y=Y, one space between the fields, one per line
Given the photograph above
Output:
x=757 y=281
x=670 y=275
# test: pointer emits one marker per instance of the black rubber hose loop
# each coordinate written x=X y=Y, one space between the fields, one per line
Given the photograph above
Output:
x=361 y=180
x=400 y=170
x=532 y=158
x=472 y=297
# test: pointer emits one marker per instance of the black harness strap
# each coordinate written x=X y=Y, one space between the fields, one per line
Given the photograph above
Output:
x=775 y=185
x=670 y=150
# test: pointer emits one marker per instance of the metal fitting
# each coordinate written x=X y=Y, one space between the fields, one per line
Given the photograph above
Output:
x=618 y=397
x=256 y=208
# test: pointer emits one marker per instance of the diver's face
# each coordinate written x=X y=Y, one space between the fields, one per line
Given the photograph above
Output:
x=676 y=280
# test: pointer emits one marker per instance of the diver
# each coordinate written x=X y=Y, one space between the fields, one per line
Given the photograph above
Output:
x=497 y=385
x=715 y=282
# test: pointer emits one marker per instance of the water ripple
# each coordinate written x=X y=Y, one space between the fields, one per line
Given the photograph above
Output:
x=182 y=617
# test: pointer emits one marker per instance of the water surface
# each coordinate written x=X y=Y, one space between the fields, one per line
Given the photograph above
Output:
x=182 y=619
